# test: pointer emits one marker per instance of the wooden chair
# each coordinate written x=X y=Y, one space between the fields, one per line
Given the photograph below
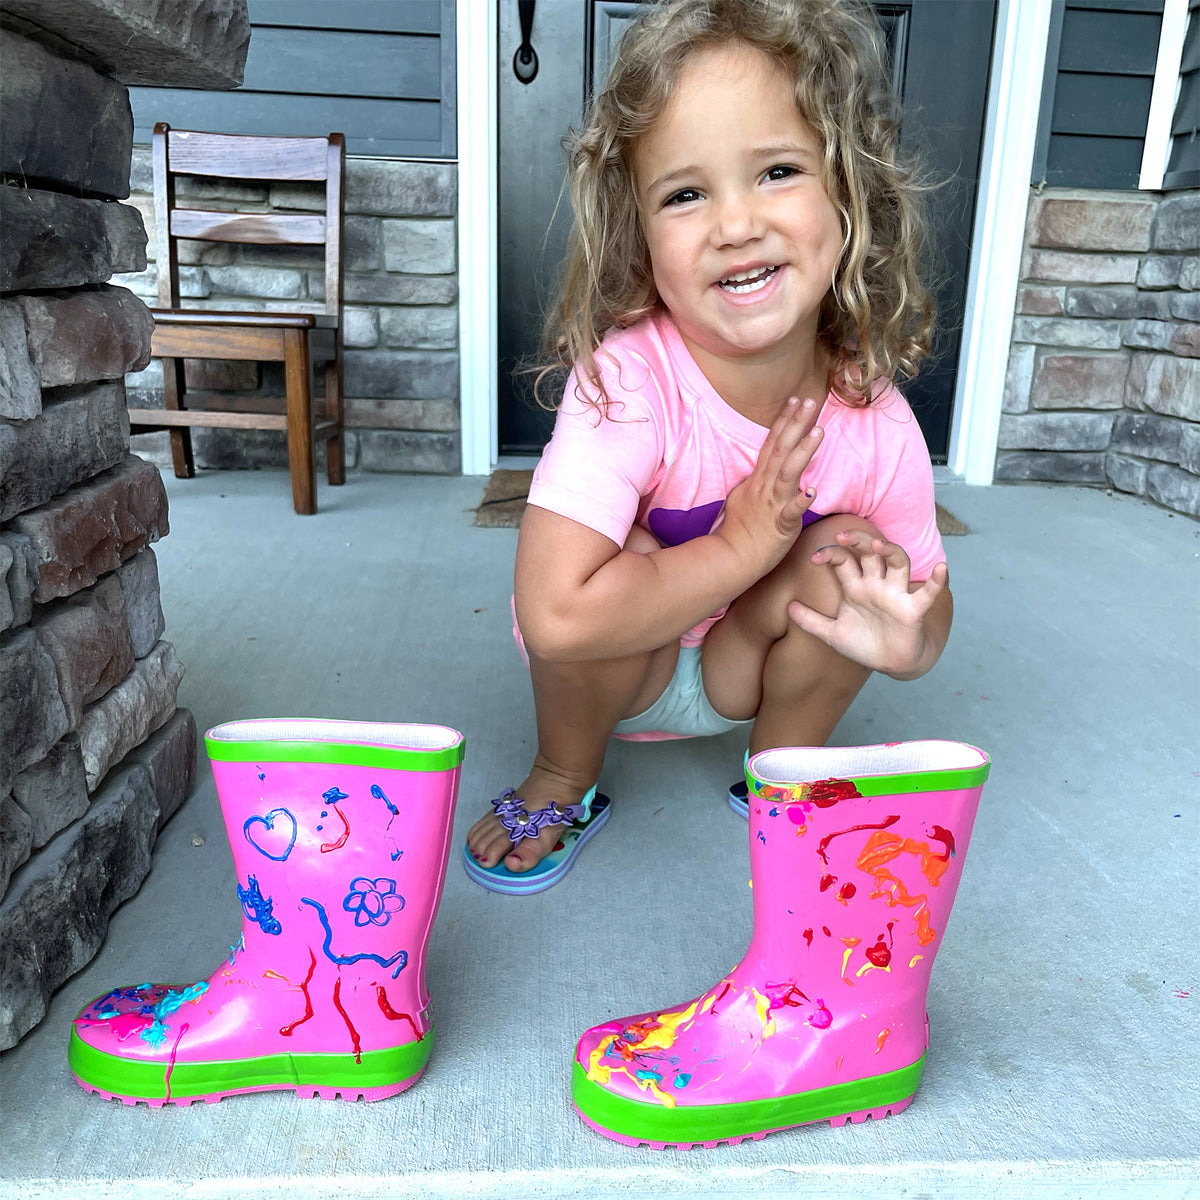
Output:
x=299 y=340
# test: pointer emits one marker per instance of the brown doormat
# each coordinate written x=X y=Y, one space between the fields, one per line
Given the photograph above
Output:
x=503 y=504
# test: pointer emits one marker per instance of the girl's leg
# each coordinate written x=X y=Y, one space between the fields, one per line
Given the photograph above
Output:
x=577 y=706
x=757 y=663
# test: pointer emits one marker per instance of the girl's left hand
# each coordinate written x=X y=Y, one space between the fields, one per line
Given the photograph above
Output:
x=883 y=620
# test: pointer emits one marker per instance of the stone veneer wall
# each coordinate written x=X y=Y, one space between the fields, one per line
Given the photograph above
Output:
x=94 y=754
x=1103 y=383
x=401 y=315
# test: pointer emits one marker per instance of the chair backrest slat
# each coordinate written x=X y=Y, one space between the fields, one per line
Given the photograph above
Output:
x=243 y=156
x=279 y=229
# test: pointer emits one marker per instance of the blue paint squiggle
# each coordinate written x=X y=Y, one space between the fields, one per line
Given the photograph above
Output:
x=378 y=793
x=257 y=907
x=344 y=960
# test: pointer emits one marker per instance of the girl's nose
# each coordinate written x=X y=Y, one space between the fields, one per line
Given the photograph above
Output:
x=737 y=221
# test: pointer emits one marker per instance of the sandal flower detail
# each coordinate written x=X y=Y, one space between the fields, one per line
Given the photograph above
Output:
x=519 y=823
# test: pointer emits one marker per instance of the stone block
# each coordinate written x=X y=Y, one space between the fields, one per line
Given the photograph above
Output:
x=438 y=416
x=1018 y=378
x=1120 y=302
x=361 y=328
x=1189 y=449
x=7 y=612
x=1041 y=301
x=239 y=449
x=1177 y=226
x=1164 y=384
x=1160 y=271
x=65 y=124
x=420 y=453
x=1094 y=223
x=1189 y=275
x=1153 y=306
x=421 y=328
x=32 y=715
x=15 y=840
x=1147 y=335
x=1027 y=465
x=389 y=188
x=1126 y=474
x=1186 y=341
x=20 y=388
x=262 y=282
x=79 y=337
x=1185 y=306
x=1058 y=331
x=1055 y=266
x=81 y=432
x=193 y=283
x=362 y=244
x=391 y=289
x=18 y=579
x=52 y=240
x=306 y=258
x=87 y=636
x=1087 y=381
x=94 y=527
x=159 y=43
x=1147 y=435
x=138 y=578
x=400 y=374
x=413 y=247
x=1174 y=488
x=170 y=756
x=130 y=712
x=56 y=912
x=1055 y=431
x=53 y=792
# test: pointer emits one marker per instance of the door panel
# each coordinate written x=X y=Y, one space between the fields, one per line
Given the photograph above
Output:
x=939 y=52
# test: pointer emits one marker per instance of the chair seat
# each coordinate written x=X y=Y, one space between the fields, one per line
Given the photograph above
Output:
x=213 y=316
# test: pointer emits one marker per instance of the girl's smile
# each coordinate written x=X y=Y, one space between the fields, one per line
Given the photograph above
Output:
x=743 y=238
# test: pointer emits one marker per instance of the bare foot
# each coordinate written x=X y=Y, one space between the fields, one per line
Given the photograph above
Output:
x=488 y=841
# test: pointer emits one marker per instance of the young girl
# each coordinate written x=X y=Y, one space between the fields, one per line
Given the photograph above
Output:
x=734 y=519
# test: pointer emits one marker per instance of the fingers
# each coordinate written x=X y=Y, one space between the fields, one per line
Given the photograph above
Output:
x=859 y=554
x=791 y=441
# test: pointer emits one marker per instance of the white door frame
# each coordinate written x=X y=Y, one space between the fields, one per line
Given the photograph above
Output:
x=1010 y=131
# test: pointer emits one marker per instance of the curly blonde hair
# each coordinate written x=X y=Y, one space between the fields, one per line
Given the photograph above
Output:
x=877 y=318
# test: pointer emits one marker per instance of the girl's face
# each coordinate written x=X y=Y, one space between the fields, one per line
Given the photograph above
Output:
x=743 y=239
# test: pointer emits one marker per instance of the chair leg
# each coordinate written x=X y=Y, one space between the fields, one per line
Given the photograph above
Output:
x=335 y=447
x=181 y=439
x=298 y=373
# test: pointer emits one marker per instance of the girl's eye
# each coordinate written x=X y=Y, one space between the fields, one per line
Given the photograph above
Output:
x=781 y=172
x=683 y=196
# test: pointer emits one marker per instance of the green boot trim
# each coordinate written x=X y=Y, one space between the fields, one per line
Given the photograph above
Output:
x=651 y=1121
x=160 y=1080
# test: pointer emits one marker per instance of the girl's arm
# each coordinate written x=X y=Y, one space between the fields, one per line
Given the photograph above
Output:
x=580 y=596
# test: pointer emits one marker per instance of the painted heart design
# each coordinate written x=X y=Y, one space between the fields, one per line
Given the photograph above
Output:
x=273 y=834
x=673 y=526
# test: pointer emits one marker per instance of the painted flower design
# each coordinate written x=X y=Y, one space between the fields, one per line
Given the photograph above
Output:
x=372 y=901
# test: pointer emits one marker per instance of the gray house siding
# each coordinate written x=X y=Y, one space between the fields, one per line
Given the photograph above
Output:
x=1183 y=166
x=380 y=72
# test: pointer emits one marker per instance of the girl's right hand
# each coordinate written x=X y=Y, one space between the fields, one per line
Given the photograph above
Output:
x=764 y=514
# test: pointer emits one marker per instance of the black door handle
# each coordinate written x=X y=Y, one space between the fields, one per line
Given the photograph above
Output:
x=525 y=61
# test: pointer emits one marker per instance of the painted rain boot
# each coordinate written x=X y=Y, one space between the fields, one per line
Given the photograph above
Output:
x=339 y=832
x=855 y=857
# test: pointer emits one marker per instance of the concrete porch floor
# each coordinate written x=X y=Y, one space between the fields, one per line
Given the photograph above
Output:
x=1065 y=1005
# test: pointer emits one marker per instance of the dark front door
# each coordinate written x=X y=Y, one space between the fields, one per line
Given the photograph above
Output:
x=939 y=52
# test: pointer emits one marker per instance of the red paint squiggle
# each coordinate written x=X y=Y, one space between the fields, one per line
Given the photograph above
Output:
x=824 y=844
x=392 y=1015
x=286 y=1030
x=171 y=1064
x=326 y=847
x=337 y=1003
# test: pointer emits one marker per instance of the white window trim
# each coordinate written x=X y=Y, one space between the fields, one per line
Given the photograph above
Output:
x=478 y=235
x=1157 y=148
x=1009 y=137
x=1018 y=65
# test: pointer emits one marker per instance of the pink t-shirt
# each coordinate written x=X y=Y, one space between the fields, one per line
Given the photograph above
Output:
x=670 y=450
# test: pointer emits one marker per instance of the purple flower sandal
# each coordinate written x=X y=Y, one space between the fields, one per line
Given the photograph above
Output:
x=582 y=821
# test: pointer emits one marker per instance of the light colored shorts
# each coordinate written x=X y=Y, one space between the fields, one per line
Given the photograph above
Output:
x=683 y=710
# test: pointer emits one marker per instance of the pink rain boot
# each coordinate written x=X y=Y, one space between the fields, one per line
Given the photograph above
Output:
x=339 y=832
x=855 y=854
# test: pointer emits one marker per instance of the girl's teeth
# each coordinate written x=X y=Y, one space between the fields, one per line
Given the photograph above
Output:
x=748 y=281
